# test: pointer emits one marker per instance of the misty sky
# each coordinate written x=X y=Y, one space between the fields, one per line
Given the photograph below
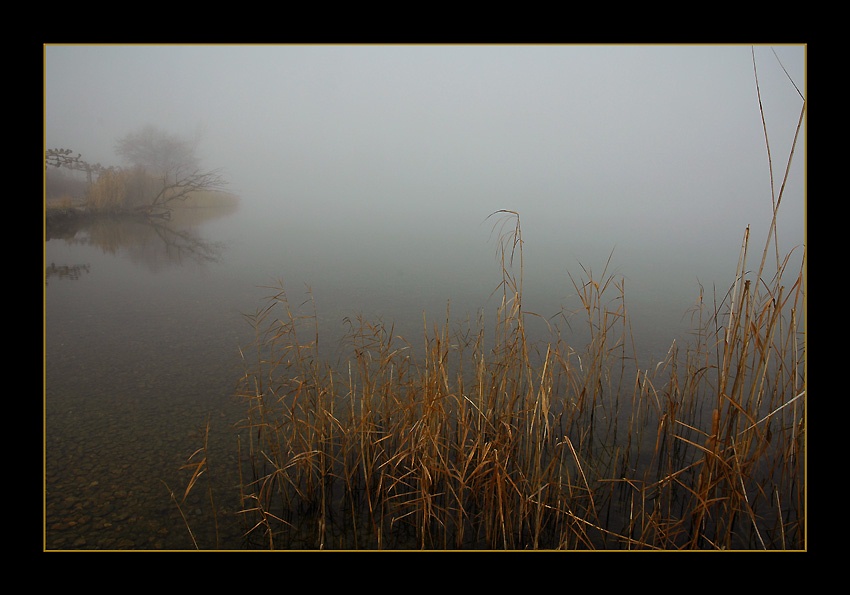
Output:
x=625 y=143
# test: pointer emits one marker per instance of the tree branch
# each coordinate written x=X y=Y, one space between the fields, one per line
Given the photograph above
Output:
x=182 y=186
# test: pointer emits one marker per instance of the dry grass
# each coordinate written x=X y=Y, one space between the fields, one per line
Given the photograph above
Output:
x=516 y=446
x=109 y=192
x=476 y=443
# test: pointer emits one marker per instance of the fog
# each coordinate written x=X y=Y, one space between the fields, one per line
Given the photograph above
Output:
x=367 y=176
x=655 y=152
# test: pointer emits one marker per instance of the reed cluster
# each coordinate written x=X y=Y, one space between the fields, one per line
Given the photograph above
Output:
x=493 y=442
x=109 y=192
x=482 y=439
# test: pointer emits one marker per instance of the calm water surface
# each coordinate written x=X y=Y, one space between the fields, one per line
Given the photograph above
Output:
x=144 y=326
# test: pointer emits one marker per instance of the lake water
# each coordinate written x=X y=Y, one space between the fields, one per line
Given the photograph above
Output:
x=143 y=334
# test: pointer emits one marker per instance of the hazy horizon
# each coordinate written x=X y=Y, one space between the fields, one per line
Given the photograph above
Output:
x=654 y=151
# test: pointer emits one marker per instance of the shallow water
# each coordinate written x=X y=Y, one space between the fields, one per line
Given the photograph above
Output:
x=143 y=337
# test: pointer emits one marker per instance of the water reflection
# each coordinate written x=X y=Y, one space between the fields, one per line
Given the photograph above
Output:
x=132 y=367
x=154 y=243
x=147 y=347
x=71 y=272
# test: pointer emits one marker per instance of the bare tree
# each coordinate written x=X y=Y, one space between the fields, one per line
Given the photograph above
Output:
x=170 y=160
x=155 y=150
x=161 y=168
x=179 y=182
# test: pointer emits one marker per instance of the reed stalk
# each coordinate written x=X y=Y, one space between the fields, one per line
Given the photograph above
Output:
x=485 y=440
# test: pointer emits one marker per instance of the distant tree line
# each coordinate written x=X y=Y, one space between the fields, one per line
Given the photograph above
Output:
x=160 y=168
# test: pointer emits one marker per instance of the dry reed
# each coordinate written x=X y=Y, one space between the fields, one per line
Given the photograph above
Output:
x=472 y=444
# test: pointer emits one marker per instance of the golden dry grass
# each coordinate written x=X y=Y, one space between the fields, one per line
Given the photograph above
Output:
x=518 y=446
x=461 y=442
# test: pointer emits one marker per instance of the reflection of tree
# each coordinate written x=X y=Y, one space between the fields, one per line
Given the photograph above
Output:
x=153 y=242
x=182 y=244
x=64 y=271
